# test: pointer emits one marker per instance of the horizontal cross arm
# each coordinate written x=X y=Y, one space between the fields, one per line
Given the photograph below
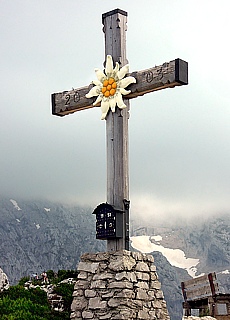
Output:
x=67 y=102
x=167 y=75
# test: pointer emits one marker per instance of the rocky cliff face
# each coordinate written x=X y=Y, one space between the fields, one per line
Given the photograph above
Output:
x=37 y=236
x=200 y=246
x=207 y=241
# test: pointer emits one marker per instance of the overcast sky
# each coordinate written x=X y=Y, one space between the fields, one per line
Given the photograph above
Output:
x=179 y=138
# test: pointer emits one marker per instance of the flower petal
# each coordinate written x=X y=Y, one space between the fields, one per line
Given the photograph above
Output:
x=109 y=65
x=99 y=98
x=97 y=83
x=104 y=108
x=126 y=81
x=122 y=72
x=119 y=101
x=95 y=91
x=100 y=75
x=124 y=91
x=112 y=103
x=115 y=70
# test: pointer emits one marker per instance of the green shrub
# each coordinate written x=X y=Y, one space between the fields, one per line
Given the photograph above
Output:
x=66 y=291
x=23 y=280
x=19 y=308
x=18 y=303
x=55 y=315
x=50 y=274
x=65 y=274
x=55 y=278
x=36 y=295
x=25 y=309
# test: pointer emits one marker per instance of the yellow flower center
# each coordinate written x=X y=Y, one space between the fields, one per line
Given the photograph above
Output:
x=109 y=87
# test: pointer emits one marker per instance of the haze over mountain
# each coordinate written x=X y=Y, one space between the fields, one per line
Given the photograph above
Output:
x=41 y=235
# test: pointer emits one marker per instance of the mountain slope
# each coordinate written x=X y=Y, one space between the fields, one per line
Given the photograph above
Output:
x=40 y=235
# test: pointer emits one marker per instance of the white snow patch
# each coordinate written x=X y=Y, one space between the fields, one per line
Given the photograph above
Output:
x=18 y=220
x=225 y=272
x=175 y=257
x=15 y=204
x=199 y=275
x=47 y=209
x=157 y=238
x=38 y=226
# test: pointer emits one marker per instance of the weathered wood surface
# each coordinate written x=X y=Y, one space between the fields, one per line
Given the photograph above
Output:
x=117 y=128
x=200 y=287
x=199 y=293
x=199 y=281
x=167 y=75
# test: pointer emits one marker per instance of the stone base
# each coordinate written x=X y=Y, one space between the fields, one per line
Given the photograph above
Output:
x=118 y=285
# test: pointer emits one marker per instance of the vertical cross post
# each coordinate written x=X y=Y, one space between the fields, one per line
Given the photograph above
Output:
x=168 y=75
x=114 y=23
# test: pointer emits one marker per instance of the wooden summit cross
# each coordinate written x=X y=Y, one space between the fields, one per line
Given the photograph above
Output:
x=167 y=75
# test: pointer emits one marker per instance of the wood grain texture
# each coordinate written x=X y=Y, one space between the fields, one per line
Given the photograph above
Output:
x=199 y=293
x=117 y=129
x=200 y=287
x=199 y=281
x=167 y=75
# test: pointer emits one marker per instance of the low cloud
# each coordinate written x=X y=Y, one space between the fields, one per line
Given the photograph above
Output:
x=152 y=210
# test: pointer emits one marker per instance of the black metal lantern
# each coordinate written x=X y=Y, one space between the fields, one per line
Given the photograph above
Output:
x=109 y=222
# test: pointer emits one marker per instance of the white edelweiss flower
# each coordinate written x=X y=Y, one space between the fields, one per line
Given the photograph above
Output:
x=110 y=86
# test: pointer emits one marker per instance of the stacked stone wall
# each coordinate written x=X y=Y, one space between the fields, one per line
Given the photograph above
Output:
x=118 y=285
